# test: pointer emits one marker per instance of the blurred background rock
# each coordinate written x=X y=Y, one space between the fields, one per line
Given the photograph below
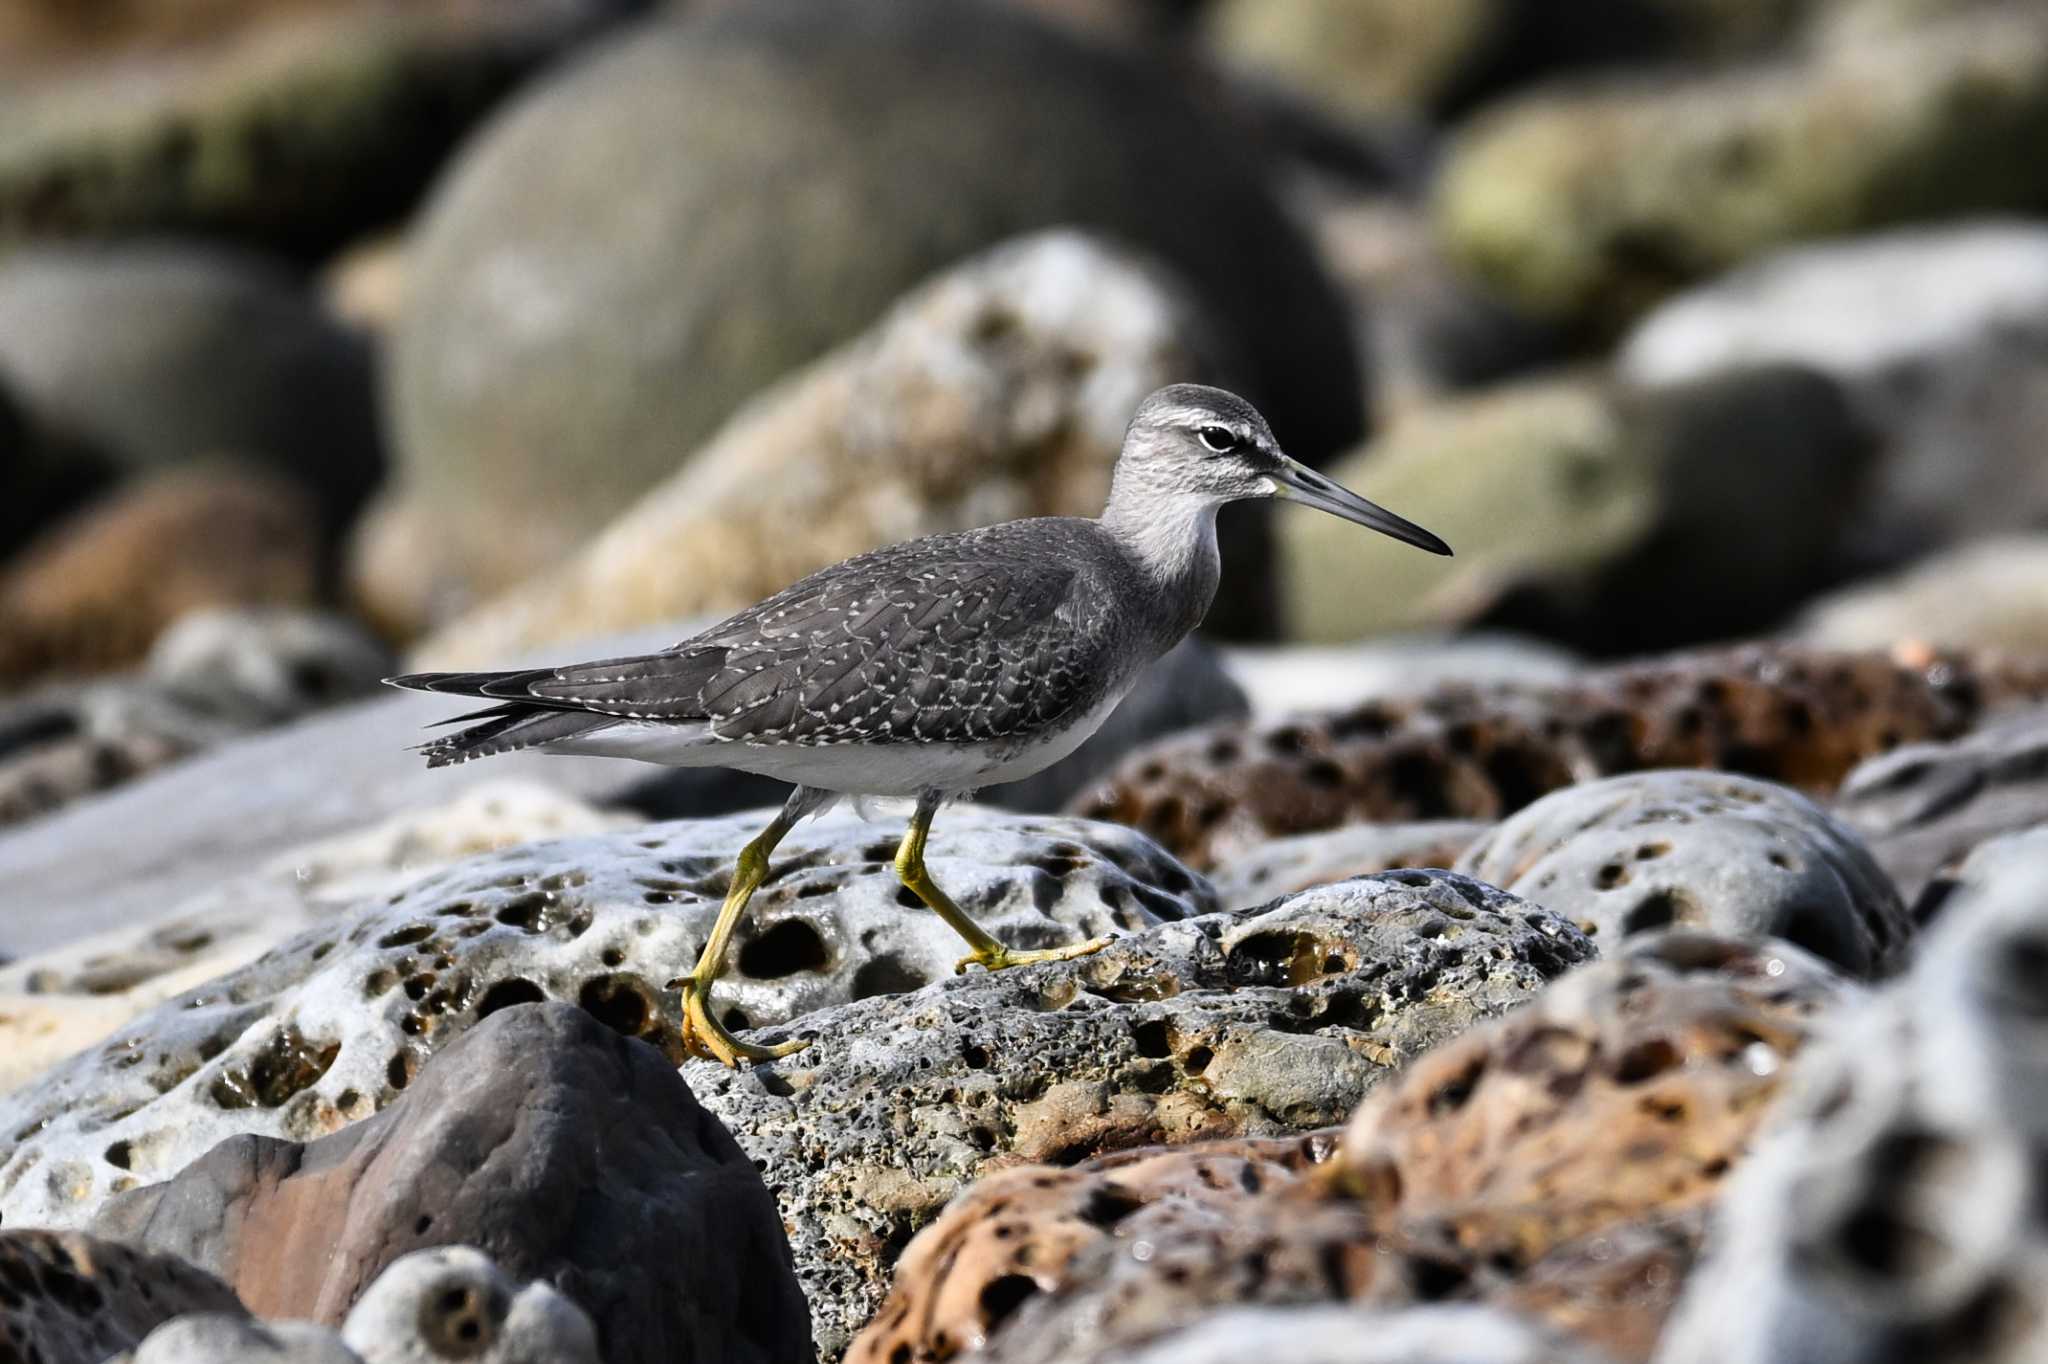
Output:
x=482 y=326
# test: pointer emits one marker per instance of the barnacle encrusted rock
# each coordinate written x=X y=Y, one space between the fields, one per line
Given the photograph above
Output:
x=1256 y=1023
x=1797 y=716
x=65 y=1296
x=1708 y=851
x=1898 y=1208
x=330 y=1026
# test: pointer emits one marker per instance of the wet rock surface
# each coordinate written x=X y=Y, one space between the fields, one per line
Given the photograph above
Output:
x=1895 y=1209
x=333 y=1025
x=1579 y=507
x=1707 y=851
x=68 y=1298
x=1258 y=1023
x=816 y=160
x=590 y=1182
x=1924 y=807
x=1800 y=717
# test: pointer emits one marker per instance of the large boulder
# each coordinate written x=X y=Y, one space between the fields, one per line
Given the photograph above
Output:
x=1590 y=204
x=94 y=592
x=1617 y=518
x=1989 y=593
x=1707 y=851
x=591 y=1182
x=657 y=231
x=285 y=129
x=999 y=389
x=1939 y=337
x=159 y=354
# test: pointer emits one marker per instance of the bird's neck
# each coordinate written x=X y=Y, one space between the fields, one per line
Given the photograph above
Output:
x=1172 y=540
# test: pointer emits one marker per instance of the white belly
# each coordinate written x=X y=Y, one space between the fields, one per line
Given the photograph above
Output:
x=898 y=769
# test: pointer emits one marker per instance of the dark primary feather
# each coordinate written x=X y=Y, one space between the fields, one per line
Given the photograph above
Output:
x=977 y=637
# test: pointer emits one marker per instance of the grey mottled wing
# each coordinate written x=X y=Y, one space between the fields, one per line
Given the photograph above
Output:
x=951 y=640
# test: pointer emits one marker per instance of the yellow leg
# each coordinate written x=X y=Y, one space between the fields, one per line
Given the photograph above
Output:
x=988 y=951
x=703 y=1034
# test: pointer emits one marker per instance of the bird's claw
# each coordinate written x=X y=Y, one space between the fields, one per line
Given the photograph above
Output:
x=705 y=1037
x=1003 y=958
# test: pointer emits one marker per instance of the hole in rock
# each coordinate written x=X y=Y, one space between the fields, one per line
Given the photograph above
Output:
x=1107 y=1206
x=280 y=1068
x=886 y=974
x=621 y=1002
x=1152 y=1039
x=406 y=937
x=505 y=993
x=783 y=950
x=1658 y=909
x=1005 y=1294
x=1645 y=1061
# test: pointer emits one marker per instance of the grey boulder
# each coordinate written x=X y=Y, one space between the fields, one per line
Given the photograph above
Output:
x=1709 y=851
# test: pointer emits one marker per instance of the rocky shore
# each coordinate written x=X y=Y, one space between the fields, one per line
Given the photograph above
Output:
x=1624 y=942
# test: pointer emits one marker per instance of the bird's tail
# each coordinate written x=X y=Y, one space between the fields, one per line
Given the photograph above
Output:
x=507 y=727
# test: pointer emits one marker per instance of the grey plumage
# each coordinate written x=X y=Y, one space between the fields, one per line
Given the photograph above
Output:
x=969 y=638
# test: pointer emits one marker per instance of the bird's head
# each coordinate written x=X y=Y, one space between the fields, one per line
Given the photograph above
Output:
x=1188 y=441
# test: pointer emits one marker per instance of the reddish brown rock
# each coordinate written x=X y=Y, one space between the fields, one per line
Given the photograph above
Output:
x=1800 y=717
x=567 y=1152
x=66 y=1298
x=1016 y=1234
x=95 y=591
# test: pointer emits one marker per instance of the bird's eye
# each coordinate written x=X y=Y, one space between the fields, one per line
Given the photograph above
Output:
x=1220 y=439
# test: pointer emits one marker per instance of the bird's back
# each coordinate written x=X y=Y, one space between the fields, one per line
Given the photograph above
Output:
x=983 y=637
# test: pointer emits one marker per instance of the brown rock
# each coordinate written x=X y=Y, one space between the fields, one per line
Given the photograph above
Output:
x=1016 y=1234
x=67 y=1298
x=1627 y=1089
x=1803 y=718
x=600 y=1172
x=94 y=592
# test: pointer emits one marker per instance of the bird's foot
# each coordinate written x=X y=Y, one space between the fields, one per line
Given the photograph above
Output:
x=1001 y=958
x=707 y=1038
